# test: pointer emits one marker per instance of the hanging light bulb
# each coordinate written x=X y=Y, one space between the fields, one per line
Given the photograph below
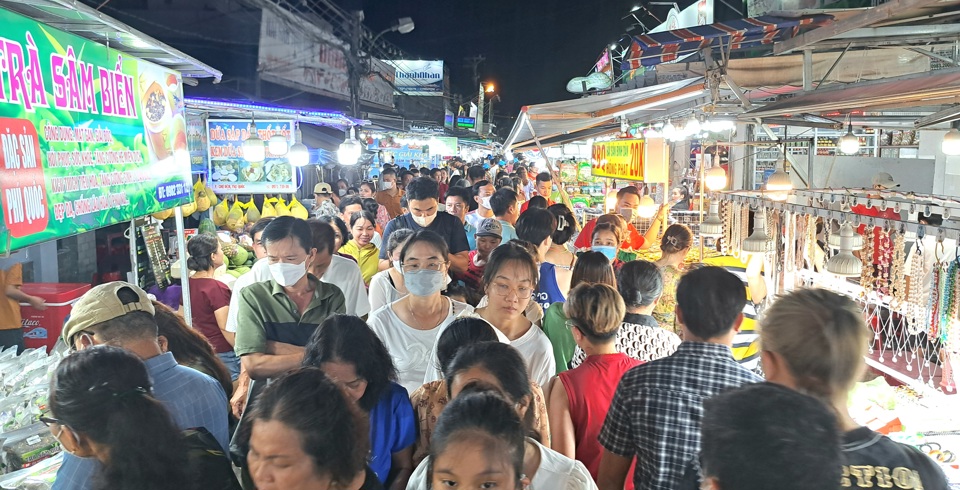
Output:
x=779 y=184
x=253 y=147
x=835 y=240
x=951 y=142
x=845 y=263
x=299 y=154
x=648 y=207
x=758 y=241
x=350 y=150
x=849 y=143
x=693 y=126
x=715 y=178
x=611 y=201
x=278 y=145
x=712 y=226
x=669 y=131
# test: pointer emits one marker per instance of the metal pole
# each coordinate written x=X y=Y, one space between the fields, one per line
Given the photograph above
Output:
x=354 y=68
x=135 y=274
x=703 y=164
x=184 y=271
x=480 y=101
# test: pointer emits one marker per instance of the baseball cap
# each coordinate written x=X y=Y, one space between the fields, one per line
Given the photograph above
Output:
x=490 y=227
x=884 y=180
x=322 y=188
x=102 y=304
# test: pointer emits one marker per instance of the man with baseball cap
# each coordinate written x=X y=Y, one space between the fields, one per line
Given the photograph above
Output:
x=489 y=236
x=120 y=314
x=325 y=202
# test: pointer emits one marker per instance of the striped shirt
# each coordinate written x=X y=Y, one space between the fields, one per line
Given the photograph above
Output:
x=746 y=344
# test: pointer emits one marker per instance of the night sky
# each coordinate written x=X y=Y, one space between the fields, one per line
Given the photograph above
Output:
x=532 y=47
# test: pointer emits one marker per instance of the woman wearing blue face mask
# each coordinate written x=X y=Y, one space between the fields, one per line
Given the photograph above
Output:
x=409 y=327
x=387 y=285
x=607 y=238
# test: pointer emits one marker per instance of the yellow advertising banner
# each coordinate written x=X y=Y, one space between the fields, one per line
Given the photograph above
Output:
x=622 y=159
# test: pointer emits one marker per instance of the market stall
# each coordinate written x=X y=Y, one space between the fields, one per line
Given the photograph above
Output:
x=92 y=137
x=870 y=245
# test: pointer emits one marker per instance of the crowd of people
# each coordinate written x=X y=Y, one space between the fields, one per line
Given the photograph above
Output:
x=453 y=329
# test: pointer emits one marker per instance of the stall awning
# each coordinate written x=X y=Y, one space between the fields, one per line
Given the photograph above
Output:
x=578 y=118
x=661 y=47
x=76 y=18
x=927 y=89
x=242 y=109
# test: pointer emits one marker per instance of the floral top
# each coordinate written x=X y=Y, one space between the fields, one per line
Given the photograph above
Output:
x=665 y=312
x=430 y=399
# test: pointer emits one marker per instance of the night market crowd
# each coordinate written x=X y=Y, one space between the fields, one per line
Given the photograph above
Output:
x=455 y=328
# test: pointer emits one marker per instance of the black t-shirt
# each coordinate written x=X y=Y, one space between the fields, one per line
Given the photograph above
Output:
x=448 y=226
x=875 y=461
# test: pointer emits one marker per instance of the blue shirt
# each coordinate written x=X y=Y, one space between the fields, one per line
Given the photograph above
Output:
x=471 y=235
x=548 y=291
x=193 y=399
x=446 y=225
x=508 y=233
x=393 y=428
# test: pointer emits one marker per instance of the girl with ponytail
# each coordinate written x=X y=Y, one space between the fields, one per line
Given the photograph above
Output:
x=101 y=407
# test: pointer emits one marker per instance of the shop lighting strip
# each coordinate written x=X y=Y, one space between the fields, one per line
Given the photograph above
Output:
x=304 y=115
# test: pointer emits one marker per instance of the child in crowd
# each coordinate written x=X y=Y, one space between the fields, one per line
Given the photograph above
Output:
x=489 y=236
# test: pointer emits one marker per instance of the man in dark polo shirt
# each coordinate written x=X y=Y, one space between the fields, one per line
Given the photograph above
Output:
x=423 y=202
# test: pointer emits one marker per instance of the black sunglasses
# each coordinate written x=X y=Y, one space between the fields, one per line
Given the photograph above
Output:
x=48 y=421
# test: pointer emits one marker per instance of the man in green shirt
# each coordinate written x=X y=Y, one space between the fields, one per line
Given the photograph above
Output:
x=276 y=318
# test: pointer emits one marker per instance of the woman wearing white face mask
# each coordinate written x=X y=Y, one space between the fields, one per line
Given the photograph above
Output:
x=277 y=317
x=387 y=286
x=410 y=326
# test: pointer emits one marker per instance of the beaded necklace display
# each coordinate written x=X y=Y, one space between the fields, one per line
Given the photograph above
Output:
x=736 y=229
x=811 y=249
x=775 y=253
x=915 y=310
x=725 y=219
x=866 y=257
x=949 y=298
x=939 y=276
x=897 y=276
x=884 y=260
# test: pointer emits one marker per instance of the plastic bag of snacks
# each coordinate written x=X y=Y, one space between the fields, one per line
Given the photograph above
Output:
x=40 y=476
x=26 y=447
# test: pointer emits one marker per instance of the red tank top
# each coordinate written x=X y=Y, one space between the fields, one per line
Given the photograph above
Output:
x=590 y=388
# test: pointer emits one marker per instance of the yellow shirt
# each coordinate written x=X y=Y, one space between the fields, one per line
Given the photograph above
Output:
x=9 y=308
x=367 y=257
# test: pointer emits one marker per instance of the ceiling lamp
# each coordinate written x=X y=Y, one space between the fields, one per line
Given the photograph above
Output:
x=779 y=184
x=712 y=226
x=951 y=142
x=669 y=131
x=835 y=240
x=845 y=263
x=278 y=145
x=715 y=178
x=849 y=143
x=758 y=242
x=693 y=126
x=299 y=154
x=611 y=201
x=350 y=150
x=648 y=207
x=253 y=147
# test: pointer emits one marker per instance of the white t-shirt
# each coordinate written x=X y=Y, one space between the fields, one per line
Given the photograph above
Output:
x=534 y=346
x=258 y=273
x=410 y=348
x=377 y=239
x=474 y=218
x=556 y=472
x=382 y=291
x=345 y=274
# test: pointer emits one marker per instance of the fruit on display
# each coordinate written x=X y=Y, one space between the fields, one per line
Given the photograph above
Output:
x=200 y=196
x=297 y=210
x=253 y=214
x=189 y=208
x=268 y=210
x=240 y=256
x=163 y=215
x=220 y=212
x=235 y=218
x=207 y=226
x=282 y=208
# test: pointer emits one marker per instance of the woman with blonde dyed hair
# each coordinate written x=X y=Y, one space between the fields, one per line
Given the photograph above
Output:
x=814 y=340
x=578 y=399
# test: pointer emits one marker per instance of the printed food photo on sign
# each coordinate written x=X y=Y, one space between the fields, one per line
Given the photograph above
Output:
x=89 y=136
x=231 y=173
